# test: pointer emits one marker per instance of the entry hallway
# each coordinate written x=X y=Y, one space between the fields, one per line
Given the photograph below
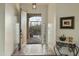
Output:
x=32 y=49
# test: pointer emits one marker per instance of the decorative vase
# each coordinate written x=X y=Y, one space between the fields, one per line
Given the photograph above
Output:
x=62 y=38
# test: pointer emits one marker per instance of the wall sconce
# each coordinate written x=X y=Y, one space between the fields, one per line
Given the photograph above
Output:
x=34 y=5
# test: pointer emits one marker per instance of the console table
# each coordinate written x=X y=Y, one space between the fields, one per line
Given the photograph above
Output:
x=71 y=47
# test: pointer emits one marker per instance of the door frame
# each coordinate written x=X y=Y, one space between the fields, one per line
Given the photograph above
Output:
x=19 y=45
x=21 y=33
x=28 y=16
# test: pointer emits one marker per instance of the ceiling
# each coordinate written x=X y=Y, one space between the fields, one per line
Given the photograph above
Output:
x=36 y=3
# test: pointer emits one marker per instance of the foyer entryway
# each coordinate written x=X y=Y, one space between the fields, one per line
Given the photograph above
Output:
x=34 y=22
x=33 y=32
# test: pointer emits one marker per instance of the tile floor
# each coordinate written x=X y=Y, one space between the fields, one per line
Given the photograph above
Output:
x=32 y=49
x=34 y=40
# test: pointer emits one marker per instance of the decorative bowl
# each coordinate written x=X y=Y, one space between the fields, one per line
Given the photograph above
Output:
x=62 y=38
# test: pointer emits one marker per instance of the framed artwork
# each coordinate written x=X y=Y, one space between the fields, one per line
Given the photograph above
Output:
x=67 y=22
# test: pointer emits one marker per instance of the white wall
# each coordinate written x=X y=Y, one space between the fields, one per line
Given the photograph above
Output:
x=10 y=28
x=64 y=10
x=55 y=11
x=51 y=27
x=2 y=28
